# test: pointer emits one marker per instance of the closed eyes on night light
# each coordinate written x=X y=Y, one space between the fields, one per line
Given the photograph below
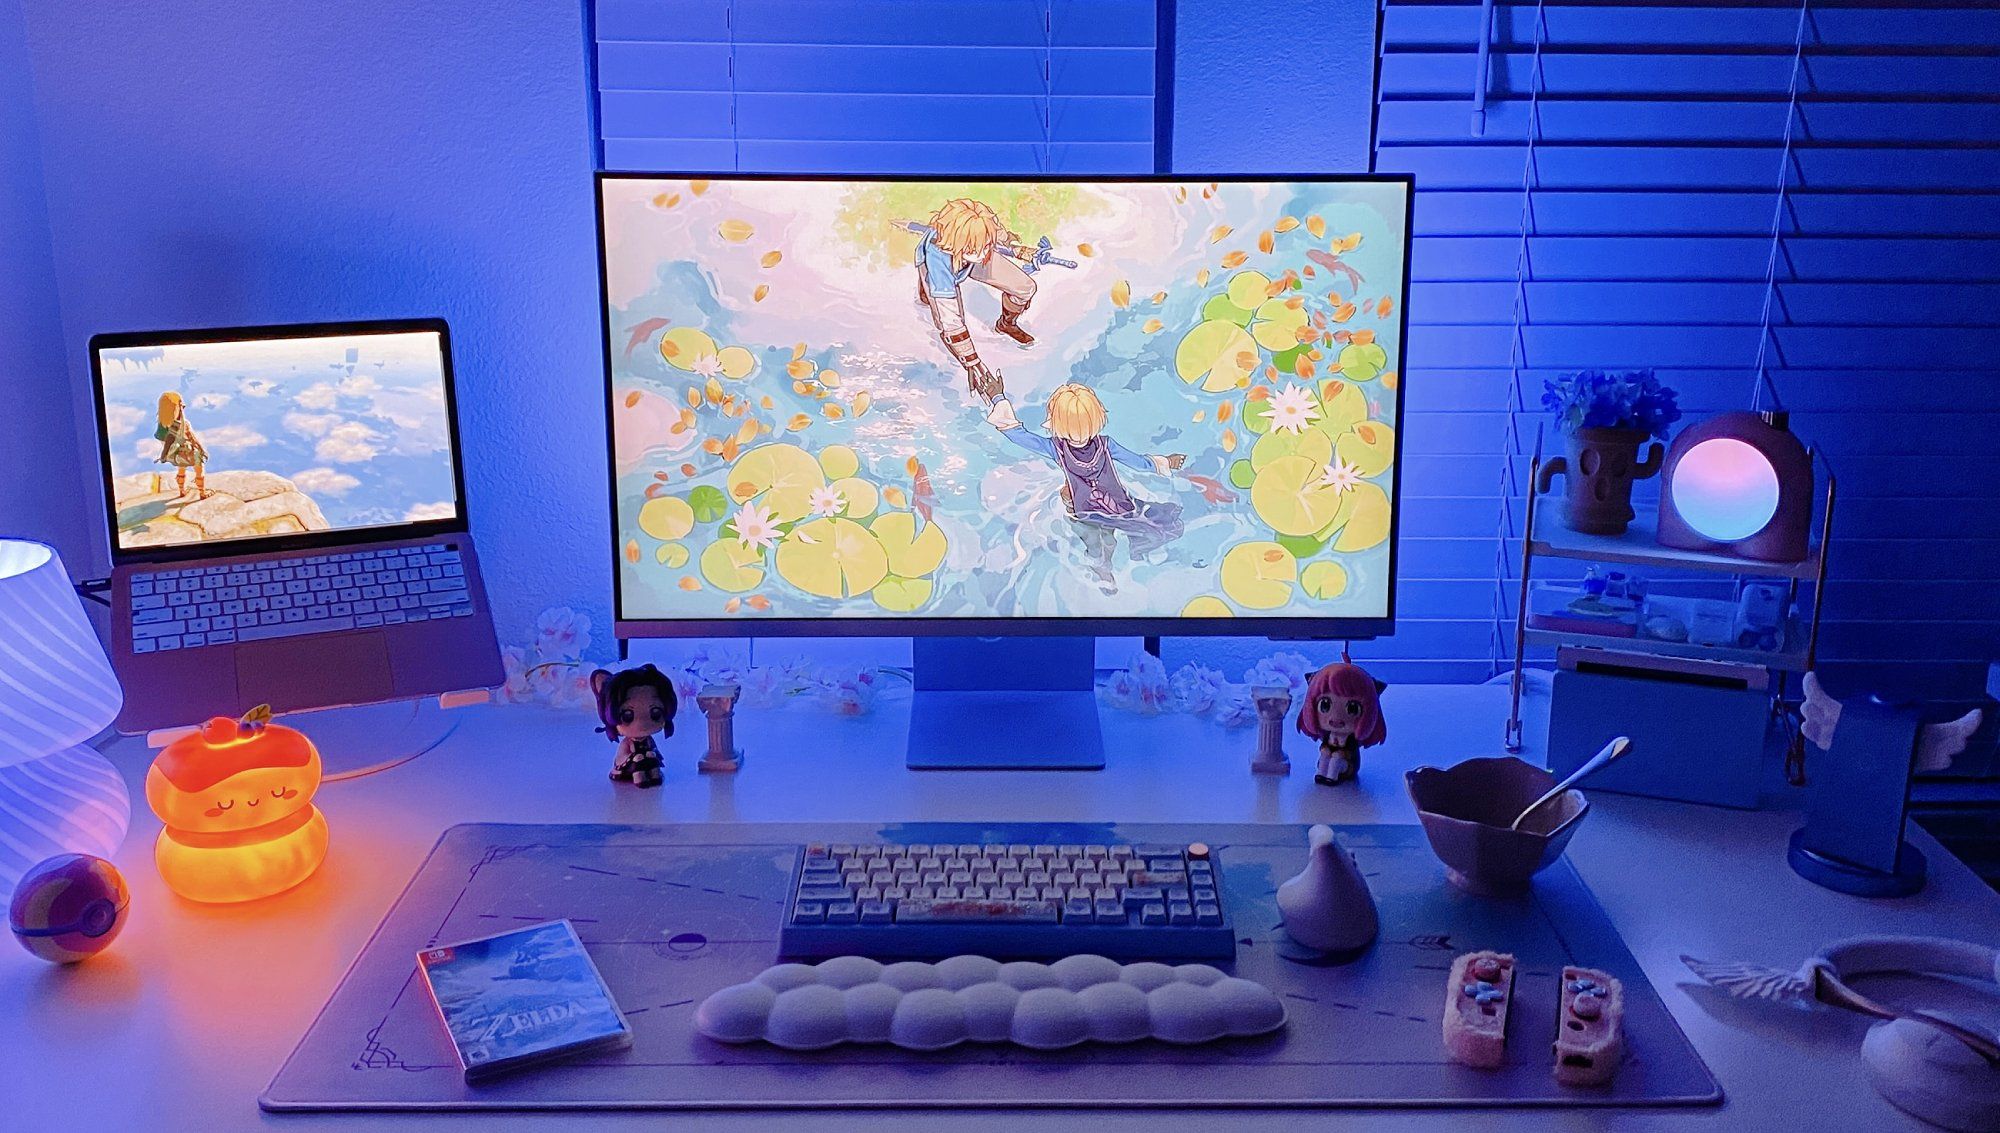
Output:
x=1725 y=489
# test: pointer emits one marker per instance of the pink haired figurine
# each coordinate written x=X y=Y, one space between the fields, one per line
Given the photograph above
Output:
x=1343 y=711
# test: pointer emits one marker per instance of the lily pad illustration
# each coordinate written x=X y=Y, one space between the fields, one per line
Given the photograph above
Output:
x=911 y=552
x=861 y=496
x=1277 y=324
x=1248 y=289
x=666 y=517
x=1220 y=355
x=1367 y=523
x=1369 y=446
x=838 y=462
x=1289 y=496
x=900 y=595
x=1362 y=361
x=729 y=565
x=683 y=346
x=1323 y=580
x=1342 y=406
x=672 y=555
x=1259 y=574
x=736 y=362
x=1207 y=606
x=1309 y=443
x=708 y=503
x=833 y=558
x=1221 y=309
x=783 y=475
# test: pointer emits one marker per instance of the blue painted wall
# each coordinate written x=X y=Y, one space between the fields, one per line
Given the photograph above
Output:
x=39 y=470
x=271 y=163
x=252 y=163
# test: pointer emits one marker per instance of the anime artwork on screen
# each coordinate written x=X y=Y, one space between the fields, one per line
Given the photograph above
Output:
x=852 y=399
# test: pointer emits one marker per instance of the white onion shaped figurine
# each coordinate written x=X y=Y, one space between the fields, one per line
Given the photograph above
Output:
x=852 y=999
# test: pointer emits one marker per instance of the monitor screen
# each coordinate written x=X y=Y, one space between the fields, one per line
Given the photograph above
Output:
x=218 y=441
x=1162 y=405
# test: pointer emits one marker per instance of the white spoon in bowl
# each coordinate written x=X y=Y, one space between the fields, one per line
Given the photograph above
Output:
x=1611 y=751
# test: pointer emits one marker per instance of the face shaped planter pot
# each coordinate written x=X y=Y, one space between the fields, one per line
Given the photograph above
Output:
x=1599 y=469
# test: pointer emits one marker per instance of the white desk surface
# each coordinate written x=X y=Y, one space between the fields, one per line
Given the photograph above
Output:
x=181 y=1024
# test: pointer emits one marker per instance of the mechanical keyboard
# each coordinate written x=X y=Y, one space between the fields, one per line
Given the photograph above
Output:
x=196 y=606
x=1143 y=902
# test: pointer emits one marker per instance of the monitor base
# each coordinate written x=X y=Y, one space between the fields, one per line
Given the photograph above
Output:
x=1006 y=730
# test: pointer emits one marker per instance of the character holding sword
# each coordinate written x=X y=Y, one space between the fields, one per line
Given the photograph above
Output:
x=964 y=239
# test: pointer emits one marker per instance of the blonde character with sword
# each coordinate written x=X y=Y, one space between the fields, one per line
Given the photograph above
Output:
x=965 y=240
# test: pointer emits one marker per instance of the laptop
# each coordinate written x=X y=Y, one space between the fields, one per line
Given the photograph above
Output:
x=286 y=513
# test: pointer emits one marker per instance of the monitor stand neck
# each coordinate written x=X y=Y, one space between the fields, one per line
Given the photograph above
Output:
x=1005 y=704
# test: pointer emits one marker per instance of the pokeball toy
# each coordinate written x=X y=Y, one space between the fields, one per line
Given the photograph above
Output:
x=68 y=908
x=236 y=797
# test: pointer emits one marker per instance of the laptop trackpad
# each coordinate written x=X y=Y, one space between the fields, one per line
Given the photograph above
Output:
x=296 y=673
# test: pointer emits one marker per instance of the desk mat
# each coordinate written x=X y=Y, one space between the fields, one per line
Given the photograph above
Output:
x=672 y=913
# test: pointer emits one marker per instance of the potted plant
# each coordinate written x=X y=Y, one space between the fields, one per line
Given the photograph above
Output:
x=1606 y=416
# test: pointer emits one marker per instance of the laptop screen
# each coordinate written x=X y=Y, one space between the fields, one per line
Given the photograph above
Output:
x=221 y=441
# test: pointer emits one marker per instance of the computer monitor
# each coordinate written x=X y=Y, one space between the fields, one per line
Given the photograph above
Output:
x=1048 y=406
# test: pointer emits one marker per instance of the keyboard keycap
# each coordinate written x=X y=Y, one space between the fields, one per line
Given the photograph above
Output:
x=265 y=631
x=977 y=912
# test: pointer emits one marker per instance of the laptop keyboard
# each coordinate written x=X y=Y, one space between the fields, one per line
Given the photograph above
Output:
x=197 y=606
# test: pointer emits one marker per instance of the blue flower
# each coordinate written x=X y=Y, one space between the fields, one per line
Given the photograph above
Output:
x=1625 y=399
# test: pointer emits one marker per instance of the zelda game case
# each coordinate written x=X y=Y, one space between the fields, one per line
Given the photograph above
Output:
x=520 y=998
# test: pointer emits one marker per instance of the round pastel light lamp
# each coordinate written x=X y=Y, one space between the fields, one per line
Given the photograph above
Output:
x=57 y=691
x=1741 y=484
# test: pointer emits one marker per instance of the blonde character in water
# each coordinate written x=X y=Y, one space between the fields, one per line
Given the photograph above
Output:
x=965 y=239
x=1096 y=499
x=180 y=447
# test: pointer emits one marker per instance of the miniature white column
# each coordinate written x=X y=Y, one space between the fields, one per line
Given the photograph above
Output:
x=718 y=703
x=1272 y=704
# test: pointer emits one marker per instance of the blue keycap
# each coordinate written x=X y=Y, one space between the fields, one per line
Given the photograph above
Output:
x=144 y=645
x=149 y=602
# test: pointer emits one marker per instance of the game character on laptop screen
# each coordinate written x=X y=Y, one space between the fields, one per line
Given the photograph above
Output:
x=218 y=441
x=881 y=398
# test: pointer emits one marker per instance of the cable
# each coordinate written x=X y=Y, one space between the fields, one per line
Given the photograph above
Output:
x=1761 y=380
x=1517 y=348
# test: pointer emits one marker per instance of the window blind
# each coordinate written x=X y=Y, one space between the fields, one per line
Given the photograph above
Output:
x=876 y=86
x=1624 y=218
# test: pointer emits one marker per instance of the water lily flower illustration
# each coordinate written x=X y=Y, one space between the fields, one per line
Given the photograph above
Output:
x=1292 y=409
x=707 y=365
x=756 y=526
x=827 y=501
x=1341 y=476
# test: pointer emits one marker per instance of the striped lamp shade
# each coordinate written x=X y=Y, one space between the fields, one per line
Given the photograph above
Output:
x=71 y=802
x=56 y=686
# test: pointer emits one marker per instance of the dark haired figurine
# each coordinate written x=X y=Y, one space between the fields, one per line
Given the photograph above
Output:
x=635 y=705
x=1343 y=711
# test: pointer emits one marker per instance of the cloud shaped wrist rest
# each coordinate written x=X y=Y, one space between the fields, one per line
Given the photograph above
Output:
x=976 y=999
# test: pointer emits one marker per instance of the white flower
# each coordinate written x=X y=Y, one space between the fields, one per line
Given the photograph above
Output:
x=756 y=526
x=562 y=633
x=827 y=501
x=1341 y=476
x=1292 y=409
x=707 y=365
x=1193 y=688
